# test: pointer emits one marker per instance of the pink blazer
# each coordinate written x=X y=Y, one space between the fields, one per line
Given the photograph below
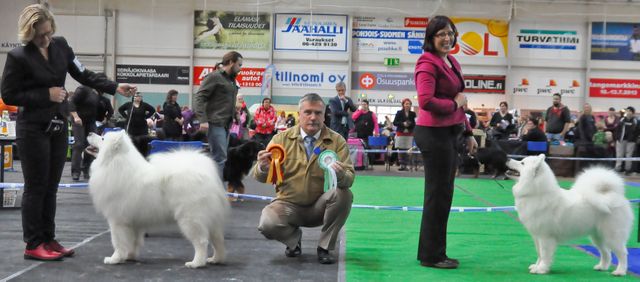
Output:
x=437 y=86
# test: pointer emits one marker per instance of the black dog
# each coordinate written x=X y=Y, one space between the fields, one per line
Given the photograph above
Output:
x=239 y=161
x=494 y=159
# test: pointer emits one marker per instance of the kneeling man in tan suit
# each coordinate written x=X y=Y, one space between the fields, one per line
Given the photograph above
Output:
x=301 y=200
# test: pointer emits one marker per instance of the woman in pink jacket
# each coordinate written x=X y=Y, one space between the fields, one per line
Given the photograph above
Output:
x=265 y=119
x=441 y=121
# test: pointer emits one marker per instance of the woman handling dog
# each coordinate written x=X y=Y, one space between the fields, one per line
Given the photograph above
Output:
x=34 y=78
x=441 y=120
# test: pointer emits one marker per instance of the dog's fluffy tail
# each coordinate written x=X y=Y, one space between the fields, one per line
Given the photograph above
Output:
x=601 y=187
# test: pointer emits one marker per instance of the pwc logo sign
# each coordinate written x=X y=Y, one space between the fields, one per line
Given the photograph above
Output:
x=481 y=37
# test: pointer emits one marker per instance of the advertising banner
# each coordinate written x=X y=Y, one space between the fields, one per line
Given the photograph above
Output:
x=392 y=81
x=527 y=83
x=481 y=37
x=232 y=30
x=146 y=74
x=248 y=77
x=561 y=41
x=614 y=88
x=299 y=76
x=317 y=32
x=491 y=84
x=389 y=35
x=615 y=41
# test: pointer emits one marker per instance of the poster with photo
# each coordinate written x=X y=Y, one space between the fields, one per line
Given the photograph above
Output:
x=231 y=30
x=615 y=41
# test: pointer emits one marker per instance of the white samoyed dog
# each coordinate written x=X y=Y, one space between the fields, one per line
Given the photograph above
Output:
x=134 y=194
x=594 y=206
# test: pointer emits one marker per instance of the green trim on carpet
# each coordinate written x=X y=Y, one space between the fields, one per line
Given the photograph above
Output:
x=382 y=245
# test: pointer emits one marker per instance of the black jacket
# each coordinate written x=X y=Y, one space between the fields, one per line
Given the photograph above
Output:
x=27 y=78
x=400 y=118
x=84 y=102
x=170 y=126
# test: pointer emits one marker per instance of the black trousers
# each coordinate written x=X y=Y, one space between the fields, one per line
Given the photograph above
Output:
x=439 y=148
x=42 y=156
x=79 y=160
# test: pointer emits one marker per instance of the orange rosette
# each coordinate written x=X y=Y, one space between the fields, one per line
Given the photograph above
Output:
x=278 y=156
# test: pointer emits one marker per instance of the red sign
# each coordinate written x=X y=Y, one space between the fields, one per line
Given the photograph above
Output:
x=248 y=77
x=614 y=88
x=415 y=22
x=367 y=81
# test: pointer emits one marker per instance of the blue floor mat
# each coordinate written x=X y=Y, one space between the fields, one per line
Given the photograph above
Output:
x=633 y=258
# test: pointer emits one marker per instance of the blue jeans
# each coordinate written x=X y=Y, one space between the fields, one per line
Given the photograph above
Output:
x=218 y=142
x=554 y=137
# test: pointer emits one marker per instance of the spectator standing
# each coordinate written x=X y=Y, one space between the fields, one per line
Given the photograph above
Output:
x=557 y=119
x=405 y=122
x=172 y=125
x=586 y=125
x=366 y=122
x=265 y=119
x=341 y=108
x=626 y=135
x=136 y=113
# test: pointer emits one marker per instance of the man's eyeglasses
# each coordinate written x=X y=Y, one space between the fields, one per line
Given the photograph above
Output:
x=444 y=34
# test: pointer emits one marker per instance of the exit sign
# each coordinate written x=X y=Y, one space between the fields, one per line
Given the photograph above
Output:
x=391 y=61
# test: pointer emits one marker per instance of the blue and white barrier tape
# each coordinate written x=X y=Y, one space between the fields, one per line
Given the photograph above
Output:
x=372 y=207
x=510 y=156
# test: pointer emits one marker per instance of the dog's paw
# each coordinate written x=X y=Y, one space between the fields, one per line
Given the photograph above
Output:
x=619 y=272
x=194 y=264
x=539 y=270
x=533 y=266
x=601 y=267
x=112 y=260
x=215 y=260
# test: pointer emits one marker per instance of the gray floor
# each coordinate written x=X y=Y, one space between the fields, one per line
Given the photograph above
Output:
x=250 y=257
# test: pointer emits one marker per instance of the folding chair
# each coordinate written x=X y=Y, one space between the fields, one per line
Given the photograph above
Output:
x=537 y=147
x=164 y=145
x=381 y=142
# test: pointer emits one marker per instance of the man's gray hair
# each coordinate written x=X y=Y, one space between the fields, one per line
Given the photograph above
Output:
x=341 y=84
x=311 y=98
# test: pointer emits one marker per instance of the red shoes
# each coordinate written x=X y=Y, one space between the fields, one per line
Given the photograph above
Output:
x=56 y=247
x=49 y=251
x=42 y=253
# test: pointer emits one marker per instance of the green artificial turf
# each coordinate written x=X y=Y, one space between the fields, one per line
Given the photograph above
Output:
x=381 y=245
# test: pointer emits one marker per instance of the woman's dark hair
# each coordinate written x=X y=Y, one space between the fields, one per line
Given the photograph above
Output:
x=265 y=99
x=534 y=121
x=436 y=24
x=171 y=92
x=504 y=103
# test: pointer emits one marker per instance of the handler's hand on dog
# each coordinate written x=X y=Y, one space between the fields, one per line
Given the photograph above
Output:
x=264 y=159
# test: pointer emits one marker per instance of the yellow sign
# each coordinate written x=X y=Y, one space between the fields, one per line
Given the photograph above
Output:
x=481 y=37
x=8 y=156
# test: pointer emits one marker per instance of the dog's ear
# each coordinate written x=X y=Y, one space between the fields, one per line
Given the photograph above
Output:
x=538 y=160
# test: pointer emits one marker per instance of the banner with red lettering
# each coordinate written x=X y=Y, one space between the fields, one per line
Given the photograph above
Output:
x=248 y=77
x=614 y=88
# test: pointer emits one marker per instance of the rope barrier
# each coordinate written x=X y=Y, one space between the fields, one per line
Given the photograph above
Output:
x=371 y=207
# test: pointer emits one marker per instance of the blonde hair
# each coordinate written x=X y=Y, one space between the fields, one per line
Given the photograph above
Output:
x=30 y=16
